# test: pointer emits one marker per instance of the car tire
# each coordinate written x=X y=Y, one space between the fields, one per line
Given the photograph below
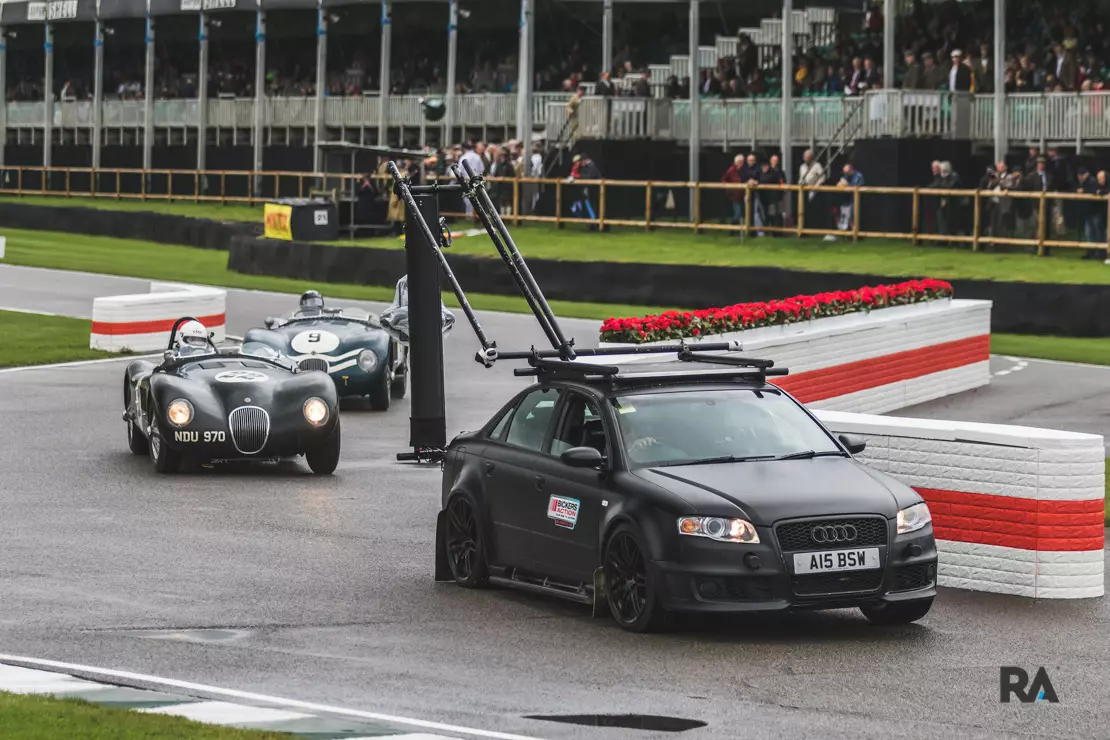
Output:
x=379 y=397
x=136 y=442
x=632 y=598
x=165 y=458
x=399 y=384
x=898 y=612
x=324 y=459
x=465 y=543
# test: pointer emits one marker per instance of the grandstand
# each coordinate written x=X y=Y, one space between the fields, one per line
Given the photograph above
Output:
x=119 y=77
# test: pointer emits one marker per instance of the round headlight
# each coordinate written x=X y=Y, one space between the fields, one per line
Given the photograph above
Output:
x=179 y=412
x=316 y=411
x=367 y=360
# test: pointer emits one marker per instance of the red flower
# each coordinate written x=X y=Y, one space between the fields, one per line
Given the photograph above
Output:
x=680 y=325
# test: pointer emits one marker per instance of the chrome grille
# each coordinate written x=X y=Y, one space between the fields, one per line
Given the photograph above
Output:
x=250 y=428
x=313 y=363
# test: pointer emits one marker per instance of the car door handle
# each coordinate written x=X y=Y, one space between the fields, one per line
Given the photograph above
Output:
x=540 y=481
x=489 y=468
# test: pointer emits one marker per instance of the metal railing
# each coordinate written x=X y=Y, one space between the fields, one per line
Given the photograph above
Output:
x=1064 y=118
x=1038 y=221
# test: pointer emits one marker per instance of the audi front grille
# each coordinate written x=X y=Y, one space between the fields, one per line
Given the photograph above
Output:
x=313 y=363
x=833 y=534
x=250 y=428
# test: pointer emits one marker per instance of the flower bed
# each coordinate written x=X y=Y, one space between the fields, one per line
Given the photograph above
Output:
x=692 y=324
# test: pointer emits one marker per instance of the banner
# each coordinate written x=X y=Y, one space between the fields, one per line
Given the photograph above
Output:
x=276 y=219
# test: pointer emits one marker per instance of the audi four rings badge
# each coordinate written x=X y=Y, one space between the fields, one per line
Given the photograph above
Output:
x=834 y=533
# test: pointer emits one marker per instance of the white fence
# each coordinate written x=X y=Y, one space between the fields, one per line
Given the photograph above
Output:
x=1031 y=118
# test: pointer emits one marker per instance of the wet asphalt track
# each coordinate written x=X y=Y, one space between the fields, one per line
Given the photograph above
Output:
x=277 y=582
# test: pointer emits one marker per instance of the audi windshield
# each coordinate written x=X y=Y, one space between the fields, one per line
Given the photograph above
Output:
x=717 y=426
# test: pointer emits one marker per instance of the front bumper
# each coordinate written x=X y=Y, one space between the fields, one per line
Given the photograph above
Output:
x=353 y=381
x=713 y=576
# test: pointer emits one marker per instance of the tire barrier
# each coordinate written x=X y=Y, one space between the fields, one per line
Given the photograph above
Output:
x=878 y=361
x=161 y=228
x=1016 y=510
x=141 y=322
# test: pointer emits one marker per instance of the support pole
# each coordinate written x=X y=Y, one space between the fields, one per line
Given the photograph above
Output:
x=890 y=13
x=427 y=422
x=98 y=96
x=202 y=100
x=525 y=78
x=786 y=143
x=48 y=94
x=607 y=37
x=695 y=104
x=321 y=85
x=384 y=77
x=452 y=64
x=148 y=98
x=998 y=69
x=3 y=86
x=259 y=99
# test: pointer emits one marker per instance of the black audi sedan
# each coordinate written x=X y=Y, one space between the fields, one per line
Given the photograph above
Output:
x=652 y=489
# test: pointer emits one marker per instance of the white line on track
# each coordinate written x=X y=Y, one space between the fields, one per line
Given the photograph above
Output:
x=40 y=313
x=77 y=363
x=125 y=676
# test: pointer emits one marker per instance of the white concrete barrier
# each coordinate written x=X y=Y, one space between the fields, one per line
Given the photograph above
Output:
x=875 y=361
x=1016 y=510
x=142 y=322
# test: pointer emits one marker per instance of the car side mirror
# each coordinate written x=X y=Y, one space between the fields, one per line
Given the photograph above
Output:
x=852 y=443
x=270 y=321
x=582 y=457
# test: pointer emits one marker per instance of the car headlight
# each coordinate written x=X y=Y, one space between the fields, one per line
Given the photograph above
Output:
x=179 y=412
x=367 y=360
x=316 y=411
x=720 y=529
x=913 y=518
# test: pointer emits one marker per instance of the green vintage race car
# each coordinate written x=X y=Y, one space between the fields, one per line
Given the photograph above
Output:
x=349 y=344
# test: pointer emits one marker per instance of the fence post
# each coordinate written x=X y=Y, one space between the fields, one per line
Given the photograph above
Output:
x=1041 y=207
x=516 y=200
x=67 y=182
x=916 y=216
x=647 y=207
x=747 y=212
x=855 y=214
x=196 y=186
x=142 y=185
x=696 y=215
x=19 y=181
x=117 y=185
x=976 y=226
x=558 y=204
x=801 y=211
x=223 y=189
x=601 y=208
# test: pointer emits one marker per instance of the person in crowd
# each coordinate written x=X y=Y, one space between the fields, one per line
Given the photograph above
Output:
x=959 y=77
x=1031 y=161
x=605 y=86
x=734 y=175
x=857 y=80
x=935 y=77
x=584 y=169
x=395 y=211
x=572 y=115
x=811 y=175
x=872 y=80
x=1090 y=213
x=915 y=75
x=750 y=177
x=1038 y=181
x=770 y=199
x=472 y=158
x=502 y=194
x=851 y=178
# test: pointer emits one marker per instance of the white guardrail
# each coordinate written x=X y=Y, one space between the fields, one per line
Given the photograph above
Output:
x=1015 y=510
x=142 y=322
x=1030 y=117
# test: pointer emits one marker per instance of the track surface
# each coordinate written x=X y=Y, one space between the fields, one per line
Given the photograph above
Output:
x=278 y=582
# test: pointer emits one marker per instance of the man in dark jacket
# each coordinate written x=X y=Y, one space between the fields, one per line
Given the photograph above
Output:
x=934 y=76
x=915 y=76
x=584 y=169
x=771 y=199
x=959 y=77
x=734 y=175
x=605 y=86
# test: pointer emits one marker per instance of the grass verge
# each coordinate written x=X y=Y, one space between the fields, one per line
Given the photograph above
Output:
x=214 y=211
x=34 y=339
x=1092 y=351
x=209 y=267
x=46 y=718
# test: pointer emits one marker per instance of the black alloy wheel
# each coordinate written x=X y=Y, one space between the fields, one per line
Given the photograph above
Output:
x=631 y=598
x=463 y=540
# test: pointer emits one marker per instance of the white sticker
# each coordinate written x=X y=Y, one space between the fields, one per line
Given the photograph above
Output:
x=241 y=376
x=564 y=511
x=320 y=218
x=314 y=342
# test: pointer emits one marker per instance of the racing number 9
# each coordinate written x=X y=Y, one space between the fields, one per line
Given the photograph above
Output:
x=314 y=337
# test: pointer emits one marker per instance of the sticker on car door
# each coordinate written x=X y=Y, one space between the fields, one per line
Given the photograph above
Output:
x=564 y=511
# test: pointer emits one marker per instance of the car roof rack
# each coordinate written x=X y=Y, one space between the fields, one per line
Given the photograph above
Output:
x=542 y=365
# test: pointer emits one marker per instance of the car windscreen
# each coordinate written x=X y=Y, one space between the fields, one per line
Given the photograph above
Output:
x=694 y=426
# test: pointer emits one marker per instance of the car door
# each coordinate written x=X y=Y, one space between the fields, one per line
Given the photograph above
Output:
x=508 y=468
x=572 y=500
